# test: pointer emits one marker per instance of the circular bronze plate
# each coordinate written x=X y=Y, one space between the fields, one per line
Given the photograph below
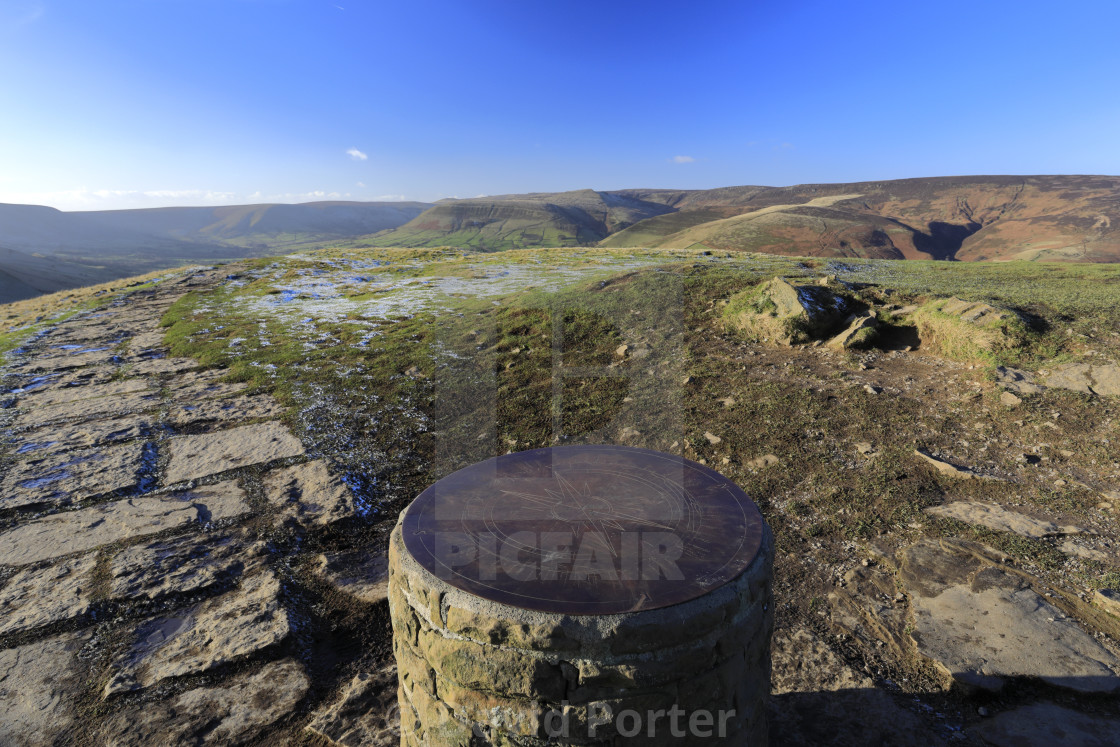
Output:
x=584 y=530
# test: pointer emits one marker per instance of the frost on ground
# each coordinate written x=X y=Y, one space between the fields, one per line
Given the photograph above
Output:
x=200 y=475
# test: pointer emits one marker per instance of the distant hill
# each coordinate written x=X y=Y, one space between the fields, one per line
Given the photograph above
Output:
x=43 y=249
x=971 y=218
x=1052 y=218
x=967 y=218
x=270 y=226
x=580 y=218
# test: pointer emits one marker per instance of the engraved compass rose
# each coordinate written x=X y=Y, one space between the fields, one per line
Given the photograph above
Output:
x=584 y=529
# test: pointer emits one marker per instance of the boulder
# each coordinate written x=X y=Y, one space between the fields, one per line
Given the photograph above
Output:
x=860 y=330
x=788 y=314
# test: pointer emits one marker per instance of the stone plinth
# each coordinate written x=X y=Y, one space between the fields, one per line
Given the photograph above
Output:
x=485 y=645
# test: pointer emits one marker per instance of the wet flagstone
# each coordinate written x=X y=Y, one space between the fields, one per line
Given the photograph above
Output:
x=81 y=435
x=40 y=596
x=199 y=638
x=230 y=714
x=64 y=478
x=58 y=396
x=179 y=565
x=85 y=409
x=205 y=454
x=88 y=528
x=38 y=682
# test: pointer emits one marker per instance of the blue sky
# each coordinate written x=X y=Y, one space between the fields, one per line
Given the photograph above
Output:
x=136 y=103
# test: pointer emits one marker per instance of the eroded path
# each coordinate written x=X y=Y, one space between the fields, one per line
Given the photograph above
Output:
x=154 y=582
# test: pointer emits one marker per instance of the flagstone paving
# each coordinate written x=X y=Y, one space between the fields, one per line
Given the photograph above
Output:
x=127 y=507
x=71 y=476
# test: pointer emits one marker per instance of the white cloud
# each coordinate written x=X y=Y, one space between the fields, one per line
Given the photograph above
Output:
x=357 y=155
x=683 y=159
x=16 y=14
x=361 y=184
x=84 y=198
x=390 y=198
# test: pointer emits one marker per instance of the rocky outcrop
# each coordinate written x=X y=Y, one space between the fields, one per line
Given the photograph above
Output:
x=781 y=312
x=983 y=624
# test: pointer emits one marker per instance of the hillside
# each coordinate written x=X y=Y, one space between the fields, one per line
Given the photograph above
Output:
x=43 y=249
x=972 y=218
x=268 y=225
x=579 y=218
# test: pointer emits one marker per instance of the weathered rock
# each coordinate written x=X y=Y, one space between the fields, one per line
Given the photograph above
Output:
x=1087 y=378
x=196 y=639
x=85 y=409
x=951 y=470
x=68 y=379
x=197 y=456
x=358 y=573
x=38 y=684
x=995 y=516
x=1047 y=725
x=309 y=493
x=713 y=439
x=82 y=435
x=1017 y=381
x=866 y=449
x=860 y=330
x=982 y=624
x=864 y=606
x=179 y=565
x=146 y=341
x=1007 y=399
x=786 y=313
x=818 y=699
x=239 y=409
x=365 y=713
x=77 y=359
x=1108 y=600
x=192 y=388
x=762 y=462
x=72 y=476
x=227 y=715
x=77 y=531
x=153 y=366
x=58 y=396
x=1106 y=380
x=35 y=597
x=1077 y=550
x=1072 y=376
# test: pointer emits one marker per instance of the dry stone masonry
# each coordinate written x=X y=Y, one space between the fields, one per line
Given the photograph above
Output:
x=473 y=668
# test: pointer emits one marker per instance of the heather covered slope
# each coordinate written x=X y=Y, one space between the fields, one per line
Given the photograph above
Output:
x=579 y=218
x=974 y=218
x=1052 y=218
